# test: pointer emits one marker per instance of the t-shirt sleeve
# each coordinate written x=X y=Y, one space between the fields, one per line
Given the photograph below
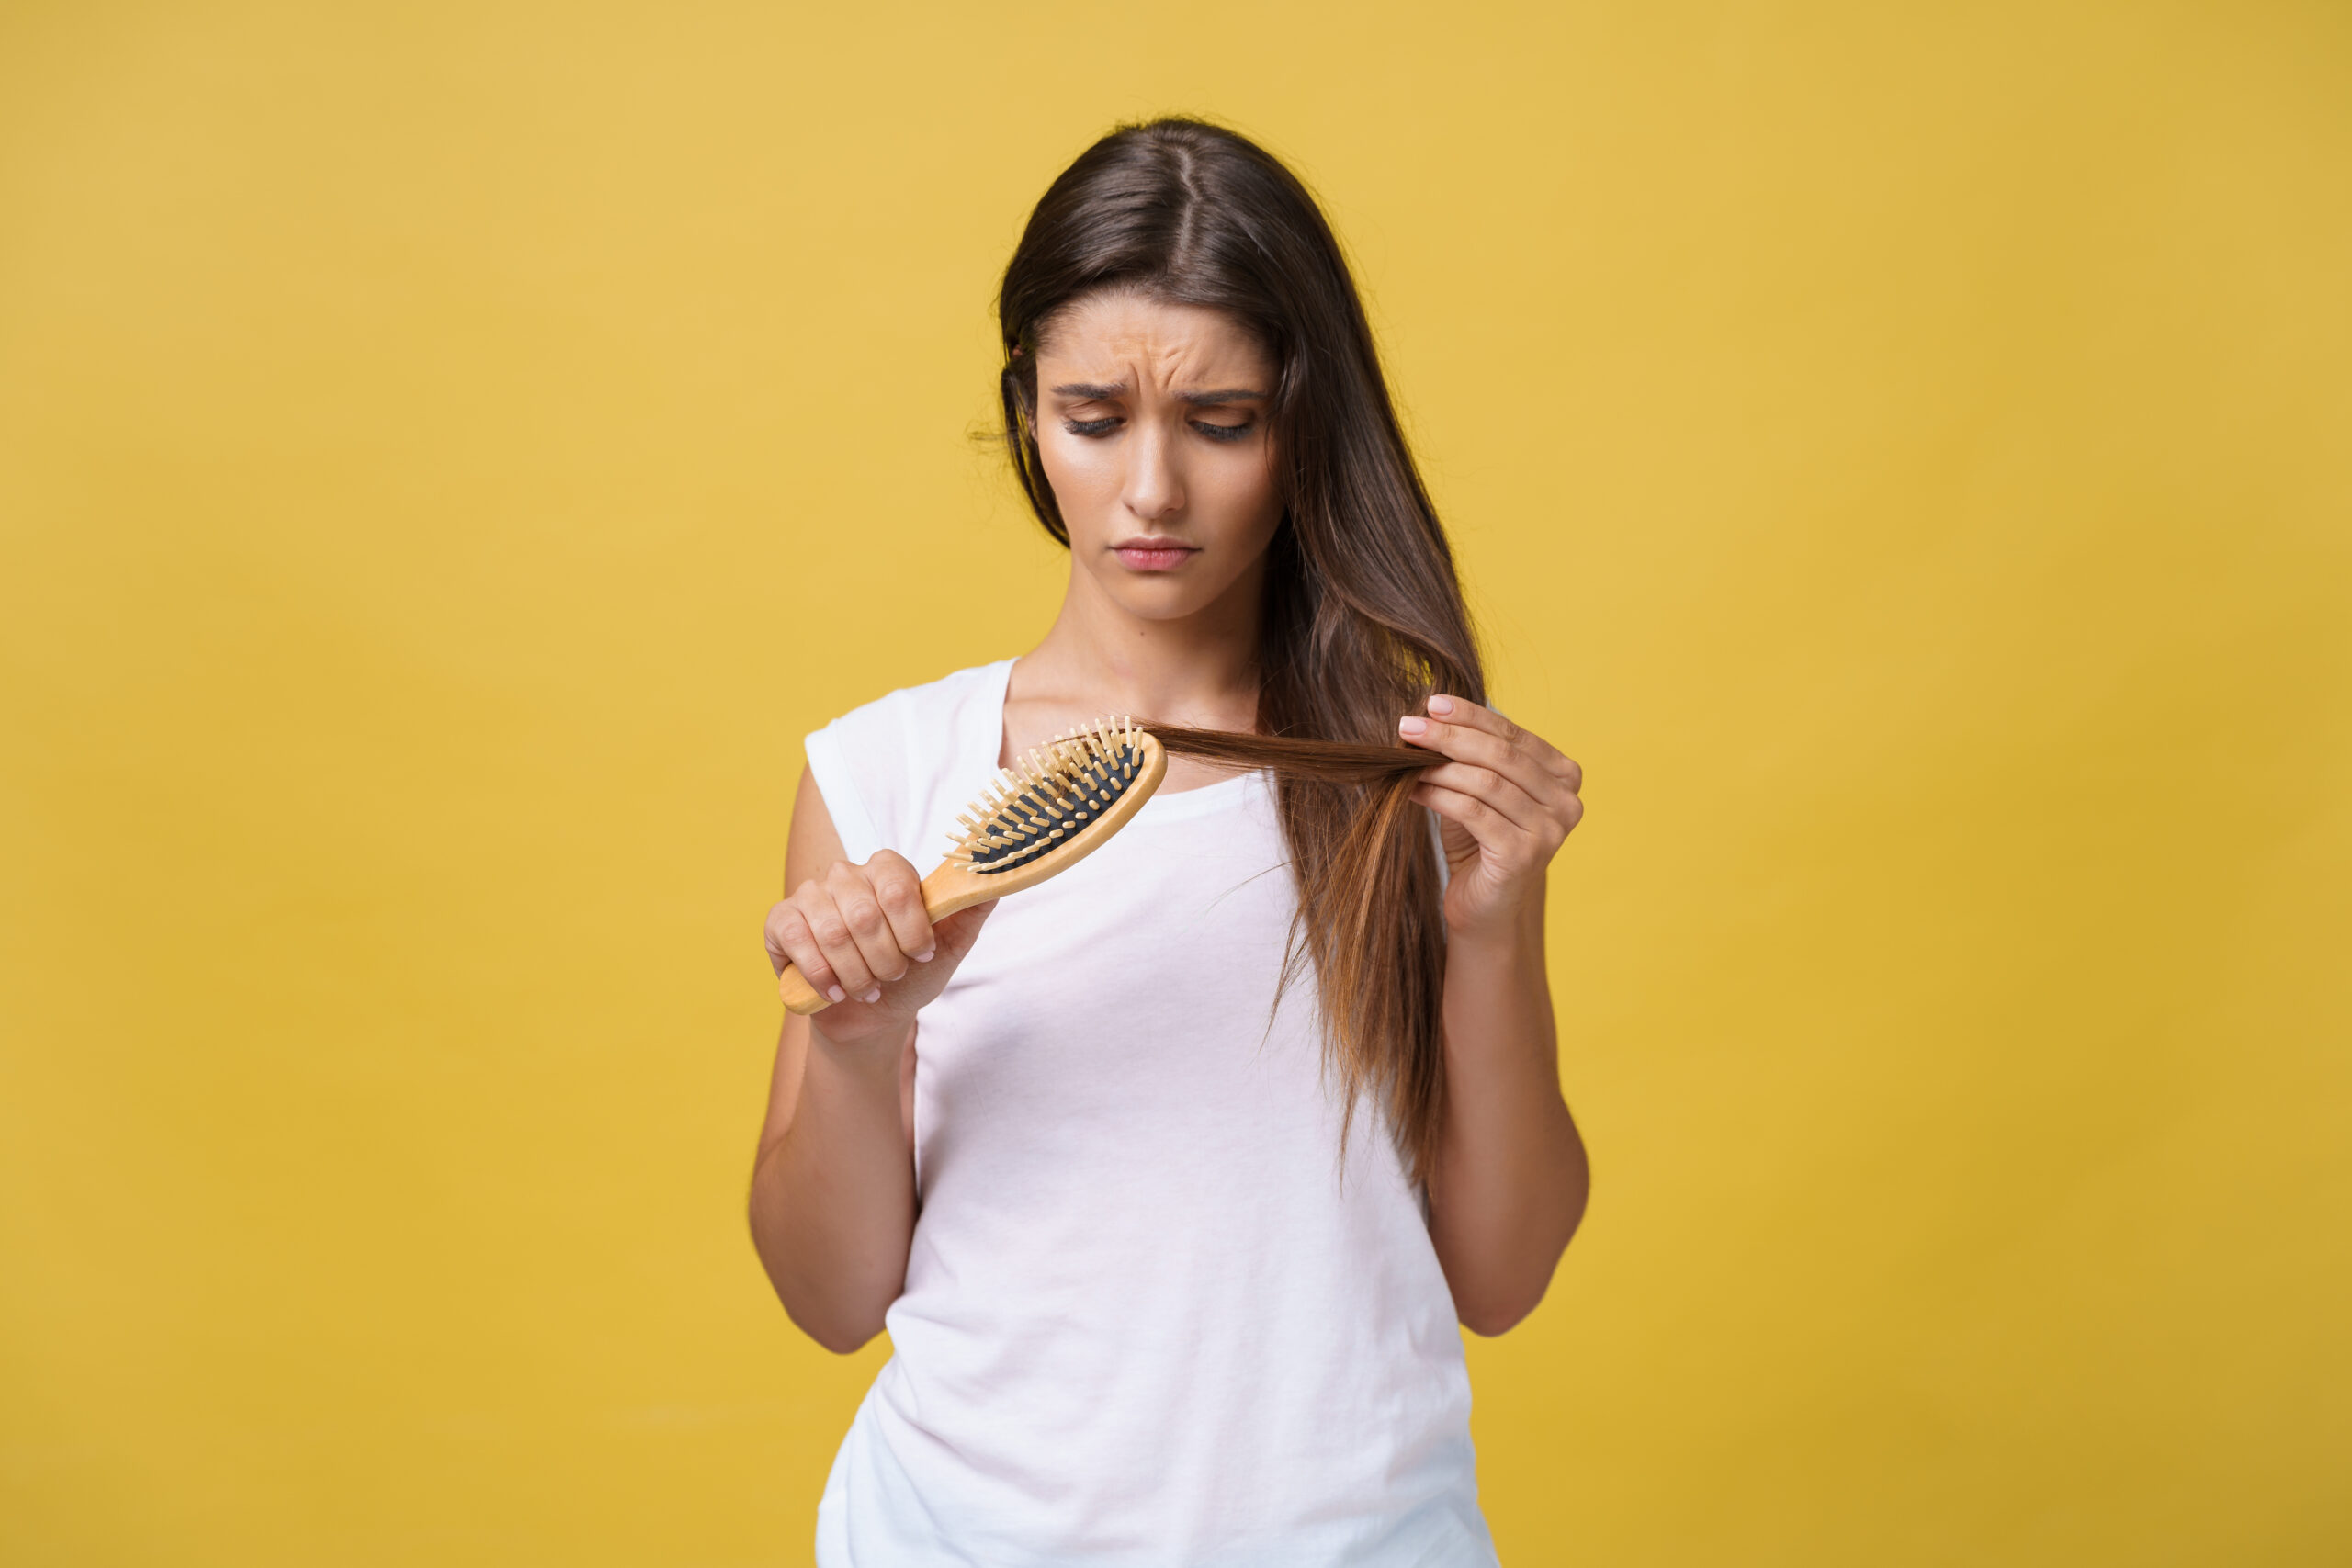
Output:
x=892 y=773
x=834 y=763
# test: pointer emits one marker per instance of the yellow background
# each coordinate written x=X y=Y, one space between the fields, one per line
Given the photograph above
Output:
x=450 y=454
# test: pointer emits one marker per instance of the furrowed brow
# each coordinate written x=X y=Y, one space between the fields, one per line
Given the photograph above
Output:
x=1230 y=395
x=1094 y=391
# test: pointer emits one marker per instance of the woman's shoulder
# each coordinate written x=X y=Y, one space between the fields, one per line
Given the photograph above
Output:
x=930 y=701
x=885 y=766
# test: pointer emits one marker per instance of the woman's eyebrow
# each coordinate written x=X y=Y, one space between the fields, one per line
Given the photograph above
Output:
x=1106 y=391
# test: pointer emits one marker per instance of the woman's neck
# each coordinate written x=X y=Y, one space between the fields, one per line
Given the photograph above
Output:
x=1099 y=658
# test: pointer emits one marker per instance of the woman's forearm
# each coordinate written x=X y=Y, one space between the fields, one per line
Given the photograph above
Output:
x=1508 y=1185
x=832 y=1205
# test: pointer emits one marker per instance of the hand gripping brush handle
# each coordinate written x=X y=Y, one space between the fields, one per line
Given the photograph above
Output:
x=1043 y=815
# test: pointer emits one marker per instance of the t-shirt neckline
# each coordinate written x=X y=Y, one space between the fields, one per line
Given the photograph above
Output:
x=1163 y=807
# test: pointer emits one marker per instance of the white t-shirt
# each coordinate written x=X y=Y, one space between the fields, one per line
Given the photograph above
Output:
x=1149 y=1319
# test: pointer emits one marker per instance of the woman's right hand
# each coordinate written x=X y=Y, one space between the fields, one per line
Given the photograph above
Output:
x=862 y=937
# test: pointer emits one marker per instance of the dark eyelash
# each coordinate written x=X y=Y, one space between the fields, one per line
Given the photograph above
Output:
x=1214 y=432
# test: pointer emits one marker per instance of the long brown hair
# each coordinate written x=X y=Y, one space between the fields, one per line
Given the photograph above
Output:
x=1362 y=616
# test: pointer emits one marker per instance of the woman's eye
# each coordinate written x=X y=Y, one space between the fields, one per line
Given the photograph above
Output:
x=1224 y=432
x=1089 y=426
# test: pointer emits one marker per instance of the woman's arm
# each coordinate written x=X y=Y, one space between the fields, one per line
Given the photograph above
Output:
x=1509 y=1184
x=833 y=1202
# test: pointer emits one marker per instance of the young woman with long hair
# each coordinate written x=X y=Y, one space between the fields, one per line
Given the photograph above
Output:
x=1171 y=1178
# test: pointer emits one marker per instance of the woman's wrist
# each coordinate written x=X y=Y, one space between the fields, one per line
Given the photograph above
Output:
x=1489 y=960
x=1497 y=987
x=1501 y=933
x=864 y=1051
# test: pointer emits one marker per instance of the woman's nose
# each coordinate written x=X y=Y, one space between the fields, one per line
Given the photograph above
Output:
x=1154 y=487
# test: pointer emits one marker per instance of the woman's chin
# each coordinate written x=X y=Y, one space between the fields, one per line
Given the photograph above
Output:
x=1155 y=595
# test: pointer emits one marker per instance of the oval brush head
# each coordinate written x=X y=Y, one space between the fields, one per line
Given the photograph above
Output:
x=1049 y=811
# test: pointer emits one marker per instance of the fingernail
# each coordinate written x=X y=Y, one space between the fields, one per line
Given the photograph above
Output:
x=1441 y=704
x=1410 y=726
x=872 y=996
x=924 y=956
x=837 y=993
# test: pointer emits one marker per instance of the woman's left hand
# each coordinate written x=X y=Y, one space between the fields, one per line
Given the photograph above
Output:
x=1508 y=800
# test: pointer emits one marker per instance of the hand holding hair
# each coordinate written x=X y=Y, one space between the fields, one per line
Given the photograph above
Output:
x=1509 y=800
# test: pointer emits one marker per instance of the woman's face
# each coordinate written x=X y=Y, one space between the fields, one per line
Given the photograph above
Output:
x=1152 y=422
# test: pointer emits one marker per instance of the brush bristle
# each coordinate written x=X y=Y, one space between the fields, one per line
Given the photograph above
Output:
x=1049 y=796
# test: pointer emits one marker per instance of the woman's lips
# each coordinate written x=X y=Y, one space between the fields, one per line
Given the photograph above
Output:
x=1154 y=557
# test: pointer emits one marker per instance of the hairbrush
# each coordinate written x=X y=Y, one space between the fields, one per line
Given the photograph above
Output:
x=1049 y=811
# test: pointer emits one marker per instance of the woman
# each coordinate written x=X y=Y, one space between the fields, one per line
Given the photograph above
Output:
x=1171 y=1178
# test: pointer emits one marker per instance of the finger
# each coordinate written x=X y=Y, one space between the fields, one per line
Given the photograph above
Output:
x=830 y=924
x=770 y=936
x=1516 y=805
x=959 y=931
x=791 y=932
x=853 y=891
x=1462 y=711
x=1512 y=757
x=899 y=891
x=1496 y=833
x=1485 y=720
